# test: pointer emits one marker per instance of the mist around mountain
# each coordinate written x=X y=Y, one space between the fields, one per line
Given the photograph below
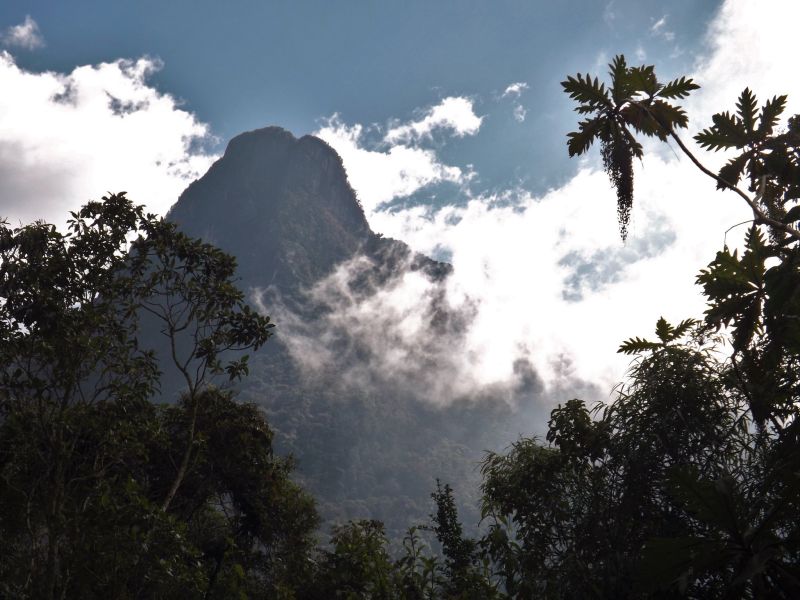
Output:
x=365 y=382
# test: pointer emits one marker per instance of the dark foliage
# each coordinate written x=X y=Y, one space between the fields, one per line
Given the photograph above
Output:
x=635 y=101
x=102 y=493
x=686 y=484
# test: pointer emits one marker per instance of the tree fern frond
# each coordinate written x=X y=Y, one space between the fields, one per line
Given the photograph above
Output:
x=587 y=91
x=678 y=89
x=683 y=327
x=726 y=132
x=664 y=331
x=637 y=345
x=747 y=109
x=769 y=115
x=620 y=81
x=580 y=141
x=643 y=79
x=732 y=171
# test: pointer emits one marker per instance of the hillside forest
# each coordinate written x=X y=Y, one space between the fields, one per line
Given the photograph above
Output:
x=685 y=484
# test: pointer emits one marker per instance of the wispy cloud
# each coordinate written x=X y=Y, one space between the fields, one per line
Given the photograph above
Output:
x=609 y=13
x=659 y=28
x=515 y=89
x=413 y=333
x=454 y=113
x=26 y=35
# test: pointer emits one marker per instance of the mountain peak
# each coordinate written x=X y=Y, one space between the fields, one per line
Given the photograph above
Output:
x=282 y=205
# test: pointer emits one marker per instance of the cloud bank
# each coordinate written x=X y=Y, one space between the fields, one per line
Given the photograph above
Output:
x=546 y=278
x=66 y=138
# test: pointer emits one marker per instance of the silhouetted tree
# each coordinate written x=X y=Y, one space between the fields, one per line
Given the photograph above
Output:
x=102 y=493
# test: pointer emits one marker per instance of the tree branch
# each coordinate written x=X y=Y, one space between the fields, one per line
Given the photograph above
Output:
x=761 y=216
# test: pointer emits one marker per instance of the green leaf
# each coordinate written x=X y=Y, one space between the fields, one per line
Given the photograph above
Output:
x=746 y=106
x=668 y=114
x=640 y=118
x=678 y=88
x=637 y=345
x=746 y=323
x=727 y=132
x=643 y=79
x=793 y=215
x=731 y=172
x=683 y=327
x=735 y=289
x=664 y=330
x=769 y=115
x=711 y=139
x=754 y=241
x=668 y=562
x=712 y=502
x=580 y=141
x=620 y=81
x=587 y=91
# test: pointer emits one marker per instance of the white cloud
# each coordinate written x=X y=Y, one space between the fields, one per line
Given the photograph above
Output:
x=747 y=46
x=659 y=28
x=520 y=265
x=659 y=25
x=25 y=35
x=380 y=175
x=547 y=275
x=69 y=138
x=515 y=89
x=454 y=113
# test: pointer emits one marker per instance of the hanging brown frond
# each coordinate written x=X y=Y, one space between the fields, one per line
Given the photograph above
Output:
x=617 y=157
x=634 y=102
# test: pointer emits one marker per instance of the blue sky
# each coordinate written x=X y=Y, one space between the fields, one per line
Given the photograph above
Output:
x=451 y=124
x=243 y=65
